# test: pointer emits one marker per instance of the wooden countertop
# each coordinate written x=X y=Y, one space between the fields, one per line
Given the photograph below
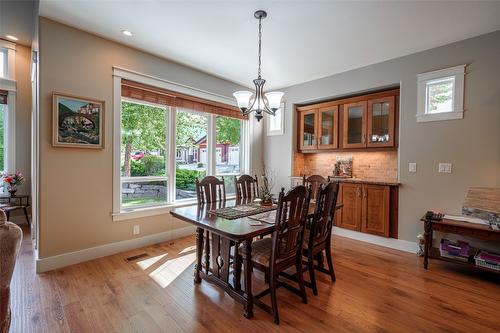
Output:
x=361 y=180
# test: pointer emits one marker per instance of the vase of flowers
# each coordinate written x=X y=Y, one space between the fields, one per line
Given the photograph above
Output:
x=265 y=194
x=13 y=180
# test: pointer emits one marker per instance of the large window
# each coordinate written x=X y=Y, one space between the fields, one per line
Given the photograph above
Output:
x=228 y=150
x=191 y=142
x=143 y=154
x=164 y=149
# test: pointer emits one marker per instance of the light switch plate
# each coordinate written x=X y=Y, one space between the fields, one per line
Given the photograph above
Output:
x=444 y=168
x=412 y=167
x=137 y=230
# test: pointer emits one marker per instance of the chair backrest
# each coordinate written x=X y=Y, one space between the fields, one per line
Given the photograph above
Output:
x=246 y=187
x=291 y=218
x=315 y=181
x=326 y=202
x=210 y=189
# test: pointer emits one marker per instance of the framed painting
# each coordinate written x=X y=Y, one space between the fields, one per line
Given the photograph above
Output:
x=78 y=122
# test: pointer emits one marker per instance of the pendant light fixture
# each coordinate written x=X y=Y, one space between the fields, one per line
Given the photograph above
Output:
x=259 y=101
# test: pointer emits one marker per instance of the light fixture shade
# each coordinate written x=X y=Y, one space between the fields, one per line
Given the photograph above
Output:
x=243 y=98
x=274 y=99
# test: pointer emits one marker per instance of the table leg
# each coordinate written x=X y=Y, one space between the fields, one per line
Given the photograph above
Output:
x=26 y=215
x=207 y=252
x=237 y=268
x=199 y=254
x=248 y=313
x=428 y=241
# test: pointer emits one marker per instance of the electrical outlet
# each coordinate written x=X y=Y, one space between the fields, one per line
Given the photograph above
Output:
x=137 y=230
x=444 y=168
x=412 y=167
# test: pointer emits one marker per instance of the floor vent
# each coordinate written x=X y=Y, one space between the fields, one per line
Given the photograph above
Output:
x=139 y=256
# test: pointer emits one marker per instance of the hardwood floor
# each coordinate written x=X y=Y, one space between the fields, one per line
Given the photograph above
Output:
x=377 y=290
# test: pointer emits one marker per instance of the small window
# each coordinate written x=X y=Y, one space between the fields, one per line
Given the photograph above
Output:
x=440 y=94
x=276 y=123
x=3 y=62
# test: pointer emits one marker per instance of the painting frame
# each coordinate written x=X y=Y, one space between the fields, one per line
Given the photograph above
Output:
x=56 y=139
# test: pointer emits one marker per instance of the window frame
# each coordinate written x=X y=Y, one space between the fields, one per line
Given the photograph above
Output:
x=8 y=83
x=457 y=74
x=120 y=213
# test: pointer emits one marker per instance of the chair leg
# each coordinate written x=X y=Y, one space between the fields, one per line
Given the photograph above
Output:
x=238 y=262
x=274 y=303
x=328 y=251
x=312 y=274
x=300 y=277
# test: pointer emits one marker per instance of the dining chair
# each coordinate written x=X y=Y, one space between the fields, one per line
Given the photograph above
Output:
x=314 y=181
x=284 y=249
x=246 y=187
x=210 y=189
x=317 y=238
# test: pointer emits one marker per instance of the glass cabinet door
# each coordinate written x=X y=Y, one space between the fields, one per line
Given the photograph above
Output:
x=381 y=122
x=328 y=127
x=308 y=130
x=354 y=125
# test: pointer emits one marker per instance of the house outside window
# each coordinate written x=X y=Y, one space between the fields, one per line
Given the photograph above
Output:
x=440 y=94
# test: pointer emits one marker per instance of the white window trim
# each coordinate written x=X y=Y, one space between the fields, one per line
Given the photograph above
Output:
x=120 y=73
x=9 y=84
x=458 y=74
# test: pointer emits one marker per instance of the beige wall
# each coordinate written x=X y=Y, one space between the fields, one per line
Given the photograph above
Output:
x=76 y=184
x=471 y=144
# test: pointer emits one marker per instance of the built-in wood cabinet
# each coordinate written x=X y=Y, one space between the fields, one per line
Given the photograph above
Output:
x=318 y=128
x=360 y=122
x=375 y=209
x=350 y=214
x=368 y=208
x=380 y=125
x=354 y=122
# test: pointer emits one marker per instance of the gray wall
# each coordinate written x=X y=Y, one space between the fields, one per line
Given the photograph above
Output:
x=471 y=144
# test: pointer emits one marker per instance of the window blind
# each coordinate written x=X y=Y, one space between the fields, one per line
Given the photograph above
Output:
x=161 y=96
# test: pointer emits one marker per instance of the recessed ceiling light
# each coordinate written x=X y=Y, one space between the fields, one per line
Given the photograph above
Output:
x=126 y=33
x=12 y=37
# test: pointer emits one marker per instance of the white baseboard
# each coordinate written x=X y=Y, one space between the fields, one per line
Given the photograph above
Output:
x=71 y=258
x=392 y=243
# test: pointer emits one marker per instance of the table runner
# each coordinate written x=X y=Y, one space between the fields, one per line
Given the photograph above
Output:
x=236 y=212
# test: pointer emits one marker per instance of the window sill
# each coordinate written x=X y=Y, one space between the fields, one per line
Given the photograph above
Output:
x=422 y=118
x=153 y=211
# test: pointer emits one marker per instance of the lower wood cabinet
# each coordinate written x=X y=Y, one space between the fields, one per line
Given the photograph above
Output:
x=368 y=208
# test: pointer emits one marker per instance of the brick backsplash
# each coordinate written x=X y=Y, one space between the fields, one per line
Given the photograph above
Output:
x=377 y=165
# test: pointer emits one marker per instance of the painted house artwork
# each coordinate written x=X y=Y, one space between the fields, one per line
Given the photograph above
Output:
x=195 y=152
x=77 y=122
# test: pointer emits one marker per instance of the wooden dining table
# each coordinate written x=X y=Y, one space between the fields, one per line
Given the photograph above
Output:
x=225 y=234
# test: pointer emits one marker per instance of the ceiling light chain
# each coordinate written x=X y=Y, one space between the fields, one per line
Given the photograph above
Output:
x=259 y=102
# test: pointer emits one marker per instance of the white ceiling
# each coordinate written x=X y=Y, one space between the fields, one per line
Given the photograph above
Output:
x=17 y=19
x=302 y=40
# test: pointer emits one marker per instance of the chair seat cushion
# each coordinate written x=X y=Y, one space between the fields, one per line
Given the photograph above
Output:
x=261 y=251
